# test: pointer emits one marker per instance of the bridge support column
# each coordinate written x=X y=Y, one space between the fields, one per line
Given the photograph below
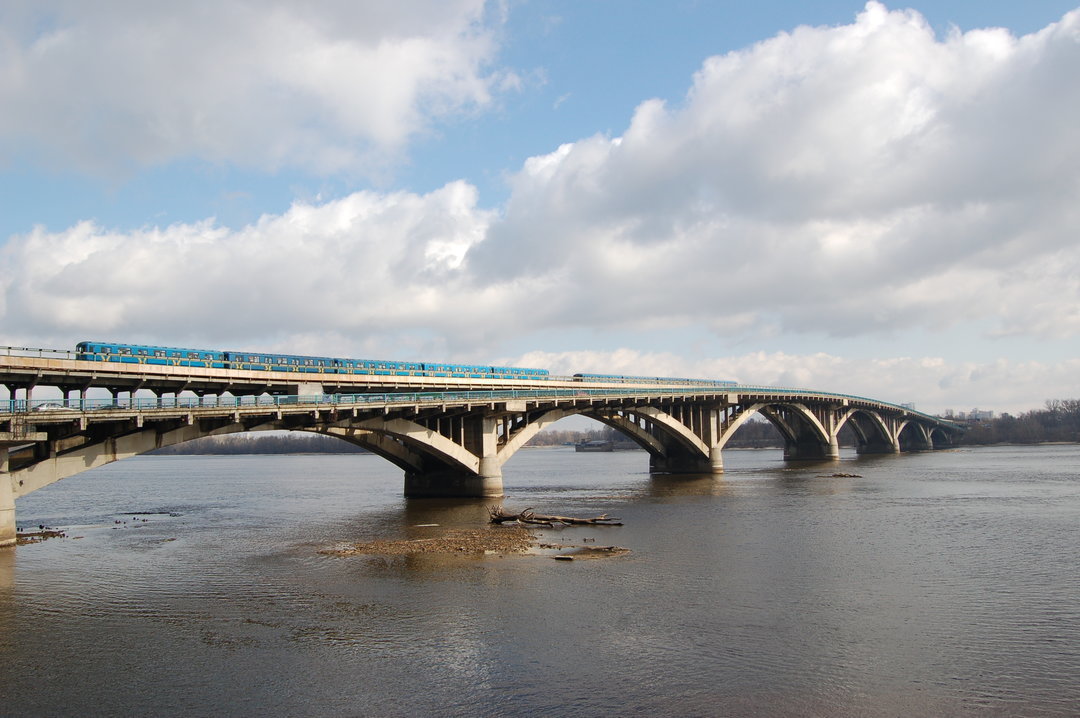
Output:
x=880 y=447
x=482 y=440
x=452 y=485
x=811 y=450
x=7 y=503
x=685 y=463
x=716 y=458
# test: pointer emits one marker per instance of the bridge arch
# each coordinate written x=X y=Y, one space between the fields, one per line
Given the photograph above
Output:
x=805 y=434
x=872 y=434
x=673 y=446
x=913 y=436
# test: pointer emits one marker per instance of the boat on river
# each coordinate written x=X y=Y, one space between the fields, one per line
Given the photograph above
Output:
x=596 y=445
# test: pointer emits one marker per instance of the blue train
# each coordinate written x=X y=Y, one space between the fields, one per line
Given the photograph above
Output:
x=258 y=361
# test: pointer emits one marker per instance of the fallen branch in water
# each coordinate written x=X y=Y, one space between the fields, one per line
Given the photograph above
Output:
x=528 y=516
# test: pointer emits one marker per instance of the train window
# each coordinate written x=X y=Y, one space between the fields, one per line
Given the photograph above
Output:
x=125 y=350
x=159 y=353
x=193 y=355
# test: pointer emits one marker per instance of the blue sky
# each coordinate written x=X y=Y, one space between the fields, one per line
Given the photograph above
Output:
x=878 y=199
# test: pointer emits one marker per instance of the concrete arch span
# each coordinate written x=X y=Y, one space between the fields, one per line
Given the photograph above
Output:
x=913 y=436
x=873 y=435
x=673 y=446
x=808 y=434
x=62 y=461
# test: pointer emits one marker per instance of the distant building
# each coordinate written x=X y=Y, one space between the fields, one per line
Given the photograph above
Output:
x=908 y=405
x=977 y=415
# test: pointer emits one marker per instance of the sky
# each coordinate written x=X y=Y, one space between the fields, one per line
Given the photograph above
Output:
x=875 y=199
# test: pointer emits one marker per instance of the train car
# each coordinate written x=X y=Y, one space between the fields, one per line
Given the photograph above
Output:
x=148 y=354
x=374 y=366
x=277 y=362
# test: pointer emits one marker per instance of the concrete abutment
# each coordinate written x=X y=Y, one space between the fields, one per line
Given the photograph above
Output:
x=7 y=503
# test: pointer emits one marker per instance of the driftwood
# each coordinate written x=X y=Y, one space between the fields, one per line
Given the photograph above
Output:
x=528 y=516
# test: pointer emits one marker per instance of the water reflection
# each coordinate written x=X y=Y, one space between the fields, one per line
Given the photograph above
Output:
x=447 y=512
x=7 y=571
x=936 y=584
x=668 y=485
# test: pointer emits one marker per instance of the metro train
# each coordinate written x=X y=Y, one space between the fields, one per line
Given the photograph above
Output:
x=259 y=361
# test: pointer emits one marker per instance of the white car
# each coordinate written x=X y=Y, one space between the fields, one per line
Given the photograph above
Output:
x=52 y=406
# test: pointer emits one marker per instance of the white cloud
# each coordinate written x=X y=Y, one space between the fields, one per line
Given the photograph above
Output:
x=360 y=265
x=848 y=181
x=843 y=180
x=931 y=383
x=329 y=86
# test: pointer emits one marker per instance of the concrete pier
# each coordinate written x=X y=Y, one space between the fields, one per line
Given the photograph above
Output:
x=442 y=485
x=7 y=503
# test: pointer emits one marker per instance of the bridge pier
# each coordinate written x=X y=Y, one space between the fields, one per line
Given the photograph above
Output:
x=812 y=450
x=879 y=447
x=7 y=503
x=716 y=460
x=449 y=485
x=687 y=463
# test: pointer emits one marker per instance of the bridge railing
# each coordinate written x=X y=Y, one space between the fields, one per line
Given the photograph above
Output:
x=266 y=400
x=37 y=353
x=15 y=406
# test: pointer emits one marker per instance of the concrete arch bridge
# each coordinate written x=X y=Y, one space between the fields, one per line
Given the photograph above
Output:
x=451 y=441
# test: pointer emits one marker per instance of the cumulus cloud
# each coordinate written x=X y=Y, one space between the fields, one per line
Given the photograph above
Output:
x=837 y=181
x=932 y=384
x=330 y=86
x=364 y=264
x=841 y=180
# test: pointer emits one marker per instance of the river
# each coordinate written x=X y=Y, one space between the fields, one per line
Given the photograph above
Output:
x=932 y=584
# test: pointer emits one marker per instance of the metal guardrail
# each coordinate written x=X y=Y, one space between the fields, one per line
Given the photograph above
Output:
x=22 y=406
x=38 y=353
x=230 y=402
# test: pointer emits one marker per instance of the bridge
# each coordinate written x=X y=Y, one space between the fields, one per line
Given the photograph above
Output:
x=450 y=435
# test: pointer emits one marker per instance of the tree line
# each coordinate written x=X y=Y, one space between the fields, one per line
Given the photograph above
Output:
x=290 y=443
x=1059 y=421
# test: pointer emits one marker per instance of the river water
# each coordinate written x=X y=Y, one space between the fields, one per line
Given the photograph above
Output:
x=934 y=584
